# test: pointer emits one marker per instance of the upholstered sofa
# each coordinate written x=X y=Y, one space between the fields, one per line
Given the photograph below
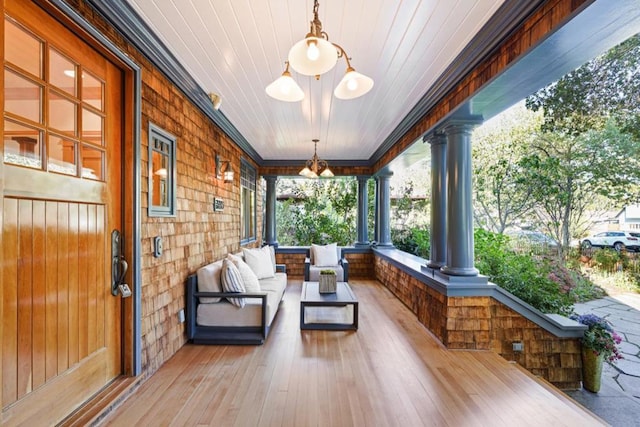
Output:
x=213 y=319
x=316 y=260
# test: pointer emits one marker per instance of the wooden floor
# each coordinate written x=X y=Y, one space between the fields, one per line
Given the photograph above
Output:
x=391 y=372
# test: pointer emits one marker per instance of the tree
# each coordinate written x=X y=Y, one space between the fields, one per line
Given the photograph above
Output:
x=569 y=176
x=584 y=99
x=500 y=199
x=586 y=155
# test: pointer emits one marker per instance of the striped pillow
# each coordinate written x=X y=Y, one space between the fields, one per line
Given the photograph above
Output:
x=232 y=282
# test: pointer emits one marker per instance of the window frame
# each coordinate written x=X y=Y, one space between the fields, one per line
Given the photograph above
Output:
x=248 y=223
x=169 y=211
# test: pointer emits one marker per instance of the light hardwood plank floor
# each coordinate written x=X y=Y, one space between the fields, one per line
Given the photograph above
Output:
x=391 y=372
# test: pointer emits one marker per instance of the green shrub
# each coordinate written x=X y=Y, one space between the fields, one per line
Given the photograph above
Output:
x=527 y=278
x=414 y=240
x=607 y=259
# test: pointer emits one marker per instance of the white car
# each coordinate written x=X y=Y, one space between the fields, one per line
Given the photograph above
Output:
x=618 y=240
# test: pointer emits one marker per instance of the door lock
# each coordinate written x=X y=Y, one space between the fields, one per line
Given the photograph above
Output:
x=119 y=267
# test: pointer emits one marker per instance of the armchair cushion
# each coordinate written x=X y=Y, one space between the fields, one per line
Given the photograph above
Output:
x=324 y=256
x=312 y=269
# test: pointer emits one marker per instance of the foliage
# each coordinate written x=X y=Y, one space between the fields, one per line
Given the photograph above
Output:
x=607 y=259
x=319 y=211
x=611 y=269
x=328 y=272
x=414 y=240
x=588 y=143
x=408 y=210
x=525 y=277
x=500 y=198
x=565 y=175
x=600 y=337
x=607 y=86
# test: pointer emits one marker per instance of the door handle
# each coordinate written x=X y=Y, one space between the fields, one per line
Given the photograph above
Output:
x=119 y=267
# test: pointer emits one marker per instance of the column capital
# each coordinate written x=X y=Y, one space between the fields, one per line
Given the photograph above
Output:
x=435 y=138
x=461 y=125
x=364 y=178
x=382 y=176
x=270 y=177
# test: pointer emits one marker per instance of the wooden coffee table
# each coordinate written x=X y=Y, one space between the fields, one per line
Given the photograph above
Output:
x=336 y=311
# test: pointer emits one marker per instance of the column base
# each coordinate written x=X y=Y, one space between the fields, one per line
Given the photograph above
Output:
x=436 y=265
x=385 y=245
x=362 y=245
x=459 y=271
x=274 y=244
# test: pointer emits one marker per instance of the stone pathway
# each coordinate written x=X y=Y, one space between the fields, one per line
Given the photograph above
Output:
x=618 y=401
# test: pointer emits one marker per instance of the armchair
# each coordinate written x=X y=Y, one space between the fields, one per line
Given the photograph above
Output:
x=319 y=253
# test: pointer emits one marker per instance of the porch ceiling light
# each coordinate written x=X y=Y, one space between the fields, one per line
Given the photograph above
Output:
x=315 y=55
x=315 y=166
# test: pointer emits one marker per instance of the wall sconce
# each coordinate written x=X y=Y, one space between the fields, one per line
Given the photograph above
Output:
x=215 y=100
x=223 y=169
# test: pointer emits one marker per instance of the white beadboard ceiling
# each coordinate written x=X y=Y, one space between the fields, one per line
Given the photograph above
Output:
x=235 y=48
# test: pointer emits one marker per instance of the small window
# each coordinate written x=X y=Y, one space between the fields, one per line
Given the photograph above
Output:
x=162 y=172
x=247 y=203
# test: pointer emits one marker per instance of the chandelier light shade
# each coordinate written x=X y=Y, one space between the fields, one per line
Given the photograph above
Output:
x=313 y=56
x=353 y=85
x=315 y=166
x=285 y=88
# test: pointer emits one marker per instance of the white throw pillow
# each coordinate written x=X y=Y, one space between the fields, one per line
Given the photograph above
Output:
x=209 y=281
x=272 y=252
x=232 y=281
x=325 y=256
x=260 y=262
x=249 y=278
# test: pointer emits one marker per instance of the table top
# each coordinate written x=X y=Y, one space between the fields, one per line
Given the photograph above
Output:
x=343 y=293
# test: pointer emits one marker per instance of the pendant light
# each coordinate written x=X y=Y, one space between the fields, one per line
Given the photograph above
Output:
x=315 y=165
x=313 y=56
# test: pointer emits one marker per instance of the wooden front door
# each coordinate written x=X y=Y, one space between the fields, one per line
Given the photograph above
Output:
x=60 y=182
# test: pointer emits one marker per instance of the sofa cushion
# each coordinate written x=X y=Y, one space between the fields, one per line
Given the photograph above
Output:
x=272 y=252
x=249 y=278
x=209 y=281
x=232 y=281
x=260 y=261
x=225 y=314
x=325 y=255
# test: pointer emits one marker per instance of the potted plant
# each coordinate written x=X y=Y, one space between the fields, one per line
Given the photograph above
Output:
x=599 y=343
x=327 y=283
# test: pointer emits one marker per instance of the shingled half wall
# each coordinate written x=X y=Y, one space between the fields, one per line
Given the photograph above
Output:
x=484 y=323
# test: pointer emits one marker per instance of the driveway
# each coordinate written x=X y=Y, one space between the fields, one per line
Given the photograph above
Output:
x=618 y=401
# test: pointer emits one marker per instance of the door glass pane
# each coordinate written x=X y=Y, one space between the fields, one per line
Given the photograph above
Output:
x=91 y=127
x=22 y=49
x=92 y=91
x=62 y=113
x=22 y=97
x=62 y=73
x=92 y=161
x=22 y=145
x=62 y=155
